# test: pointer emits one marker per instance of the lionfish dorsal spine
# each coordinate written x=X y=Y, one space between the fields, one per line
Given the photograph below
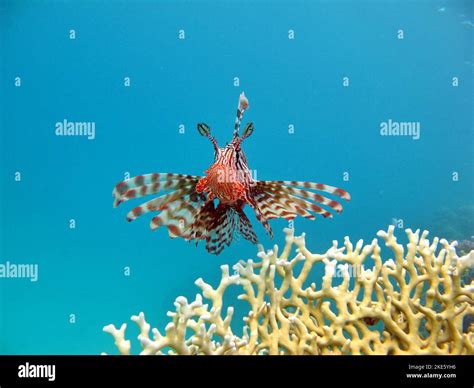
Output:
x=241 y=107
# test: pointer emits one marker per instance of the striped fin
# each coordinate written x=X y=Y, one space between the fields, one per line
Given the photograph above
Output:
x=336 y=206
x=298 y=205
x=177 y=208
x=154 y=188
x=163 y=201
x=260 y=215
x=203 y=222
x=178 y=216
x=278 y=199
x=275 y=207
x=217 y=225
x=222 y=231
x=245 y=227
x=313 y=186
x=142 y=185
x=147 y=179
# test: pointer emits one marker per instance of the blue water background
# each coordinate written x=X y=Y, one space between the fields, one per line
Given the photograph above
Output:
x=187 y=81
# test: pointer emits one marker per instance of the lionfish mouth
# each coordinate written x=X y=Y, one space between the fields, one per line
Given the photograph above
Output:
x=187 y=205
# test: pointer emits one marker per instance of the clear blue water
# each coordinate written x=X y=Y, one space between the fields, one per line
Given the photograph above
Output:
x=173 y=82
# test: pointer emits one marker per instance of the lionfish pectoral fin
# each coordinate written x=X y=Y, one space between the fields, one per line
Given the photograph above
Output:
x=244 y=227
x=143 y=185
x=176 y=209
x=285 y=199
x=261 y=217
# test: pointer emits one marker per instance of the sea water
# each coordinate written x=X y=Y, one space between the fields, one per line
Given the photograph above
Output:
x=374 y=97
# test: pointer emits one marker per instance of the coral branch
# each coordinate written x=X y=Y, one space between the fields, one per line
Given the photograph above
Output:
x=414 y=303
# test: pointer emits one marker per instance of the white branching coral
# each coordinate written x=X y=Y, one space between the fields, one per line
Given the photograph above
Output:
x=413 y=303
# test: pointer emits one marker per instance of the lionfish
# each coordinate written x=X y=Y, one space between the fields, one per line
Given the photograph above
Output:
x=189 y=210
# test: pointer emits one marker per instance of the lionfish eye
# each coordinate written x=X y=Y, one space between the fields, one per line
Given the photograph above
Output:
x=204 y=129
x=248 y=130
